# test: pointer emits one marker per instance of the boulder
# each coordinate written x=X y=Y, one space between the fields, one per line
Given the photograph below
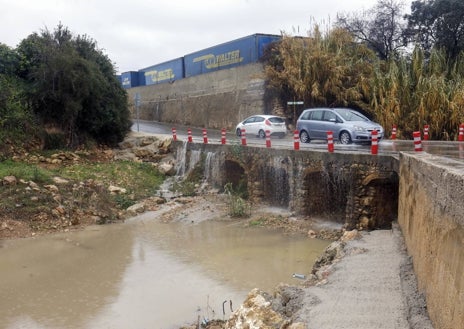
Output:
x=256 y=313
x=9 y=180
x=167 y=168
x=137 y=208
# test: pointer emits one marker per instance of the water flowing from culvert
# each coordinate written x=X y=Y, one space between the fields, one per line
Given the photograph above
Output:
x=143 y=273
x=181 y=159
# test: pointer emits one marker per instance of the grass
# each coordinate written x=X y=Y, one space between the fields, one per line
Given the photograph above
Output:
x=85 y=193
x=25 y=171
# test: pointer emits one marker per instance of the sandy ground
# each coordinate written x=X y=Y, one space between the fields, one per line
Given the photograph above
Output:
x=372 y=286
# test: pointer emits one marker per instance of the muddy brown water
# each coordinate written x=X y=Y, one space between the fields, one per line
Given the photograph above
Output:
x=144 y=273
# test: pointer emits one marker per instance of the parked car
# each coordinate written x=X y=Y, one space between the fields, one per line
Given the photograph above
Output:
x=258 y=124
x=348 y=126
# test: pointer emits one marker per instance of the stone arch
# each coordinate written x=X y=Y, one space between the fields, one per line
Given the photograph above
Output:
x=235 y=174
x=378 y=205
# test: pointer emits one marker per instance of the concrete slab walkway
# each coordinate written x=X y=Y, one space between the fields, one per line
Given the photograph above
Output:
x=372 y=286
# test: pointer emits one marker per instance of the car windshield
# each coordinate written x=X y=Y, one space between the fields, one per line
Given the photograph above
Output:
x=350 y=115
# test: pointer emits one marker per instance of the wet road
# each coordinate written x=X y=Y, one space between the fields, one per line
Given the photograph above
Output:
x=452 y=150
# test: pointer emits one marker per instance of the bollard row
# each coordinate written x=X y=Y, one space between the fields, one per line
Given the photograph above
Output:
x=330 y=138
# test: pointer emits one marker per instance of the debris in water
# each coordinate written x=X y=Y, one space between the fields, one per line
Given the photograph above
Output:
x=299 y=276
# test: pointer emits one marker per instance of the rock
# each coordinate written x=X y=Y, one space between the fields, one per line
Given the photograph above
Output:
x=60 y=181
x=52 y=188
x=137 y=208
x=256 y=313
x=311 y=234
x=164 y=146
x=333 y=251
x=116 y=190
x=363 y=222
x=167 y=169
x=125 y=155
x=9 y=180
x=350 y=235
x=147 y=141
x=34 y=186
x=59 y=211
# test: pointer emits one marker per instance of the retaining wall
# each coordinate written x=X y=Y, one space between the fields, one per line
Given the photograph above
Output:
x=214 y=100
x=431 y=216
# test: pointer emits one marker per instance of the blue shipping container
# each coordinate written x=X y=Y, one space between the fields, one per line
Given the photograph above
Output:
x=130 y=79
x=164 y=72
x=231 y=54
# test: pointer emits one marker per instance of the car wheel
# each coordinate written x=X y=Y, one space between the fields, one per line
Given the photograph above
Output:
x=261 y=134
x=345 y=137
x=238 y=132
x=304 y=137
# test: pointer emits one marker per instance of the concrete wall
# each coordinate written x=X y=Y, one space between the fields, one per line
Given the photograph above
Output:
x=215 y=100
x=431 y=216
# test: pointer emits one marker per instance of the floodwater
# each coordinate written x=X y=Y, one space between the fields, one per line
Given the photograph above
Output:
x=144 y=273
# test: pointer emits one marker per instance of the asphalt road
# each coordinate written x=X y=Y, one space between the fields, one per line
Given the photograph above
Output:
x=452 y=150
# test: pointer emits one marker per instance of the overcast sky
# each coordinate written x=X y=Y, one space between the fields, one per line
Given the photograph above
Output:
x=139 y=33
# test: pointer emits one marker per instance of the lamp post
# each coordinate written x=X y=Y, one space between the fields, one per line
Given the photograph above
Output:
x=137 y=104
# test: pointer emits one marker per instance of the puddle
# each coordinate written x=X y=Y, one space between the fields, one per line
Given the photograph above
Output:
x=144 y=273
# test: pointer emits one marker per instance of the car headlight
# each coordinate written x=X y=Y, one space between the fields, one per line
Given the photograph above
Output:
x=359 y=128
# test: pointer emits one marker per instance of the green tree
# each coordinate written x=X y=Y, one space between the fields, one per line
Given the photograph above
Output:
x=437 y=23
x=72 y=87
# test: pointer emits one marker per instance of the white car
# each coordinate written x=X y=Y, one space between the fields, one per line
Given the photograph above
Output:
x=257 y=125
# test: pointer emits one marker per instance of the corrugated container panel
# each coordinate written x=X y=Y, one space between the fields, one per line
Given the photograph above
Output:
x=241 y=51
x=264 y=40
x=163 y=72
x=130 y=79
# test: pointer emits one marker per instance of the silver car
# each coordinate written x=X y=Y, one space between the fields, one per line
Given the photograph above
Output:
x=258 y=124
x=348 y=126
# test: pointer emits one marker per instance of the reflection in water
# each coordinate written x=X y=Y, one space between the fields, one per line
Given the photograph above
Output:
x=143 y=274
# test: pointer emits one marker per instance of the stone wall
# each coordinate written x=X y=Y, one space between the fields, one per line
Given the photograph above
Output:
x=359 y=190
x=431 y=216
x=216 y=100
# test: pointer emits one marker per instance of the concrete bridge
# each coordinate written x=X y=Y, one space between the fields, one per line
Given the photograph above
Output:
x=424 y=193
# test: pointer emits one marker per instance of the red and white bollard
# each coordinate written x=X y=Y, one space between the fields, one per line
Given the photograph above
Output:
x=461 y=132
x=426 y=132
x=374 y=142
x=223 y=136
x=243 y=136
x=205 y=136
x=417 y=141
x=393 y=132
x=174 y=134
x=296 y=140
x=268 y=138
x=330 y=141
x=189 y=135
